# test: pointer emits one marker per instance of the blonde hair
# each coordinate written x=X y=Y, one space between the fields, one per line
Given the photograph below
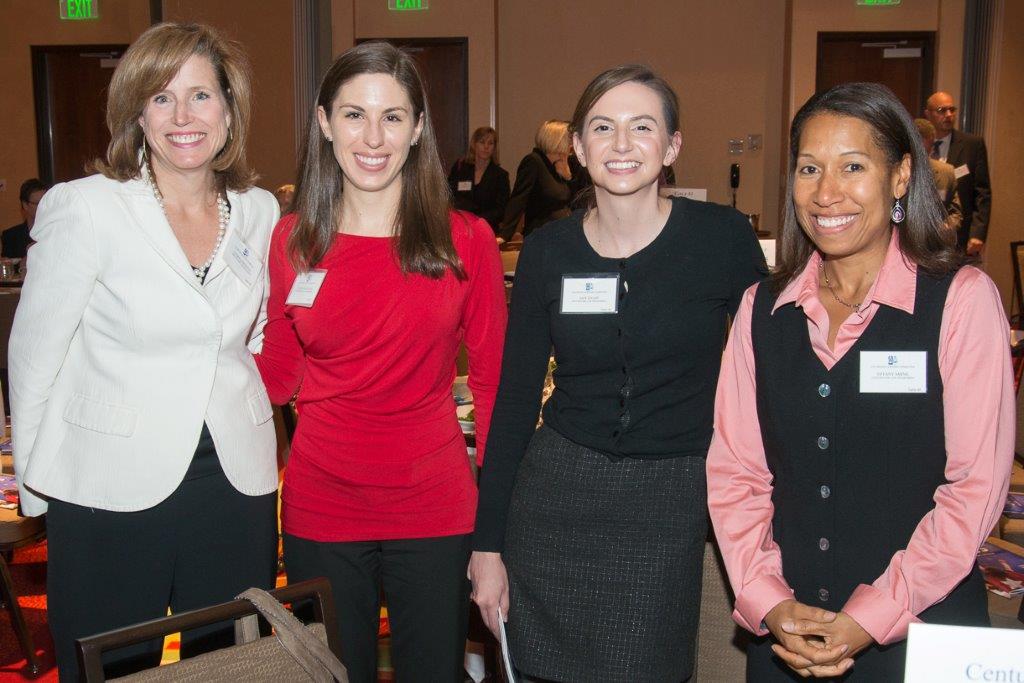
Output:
x=553 y=137
x=147 y=67
x=478 y=135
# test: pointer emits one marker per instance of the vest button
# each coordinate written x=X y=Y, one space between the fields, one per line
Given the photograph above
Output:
x=823 y=543
x=824 y=390
x=822 y=442
x=825 y=491
x=823 y=594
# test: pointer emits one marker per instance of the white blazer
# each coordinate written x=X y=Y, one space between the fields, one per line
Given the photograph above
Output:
x=118 y=355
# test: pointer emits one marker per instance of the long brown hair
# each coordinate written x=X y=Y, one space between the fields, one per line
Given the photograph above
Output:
x=605 y=81
x=147 y=67
x=923 y=237
x=422 y=232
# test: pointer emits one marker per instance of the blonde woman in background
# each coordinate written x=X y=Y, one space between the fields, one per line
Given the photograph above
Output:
x=541 y=193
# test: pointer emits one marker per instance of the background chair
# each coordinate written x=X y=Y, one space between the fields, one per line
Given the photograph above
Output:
x=251 y=659
x=15 y=532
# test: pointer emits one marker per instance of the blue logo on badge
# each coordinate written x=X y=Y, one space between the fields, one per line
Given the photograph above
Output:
x=892 y=360
x=588 y=286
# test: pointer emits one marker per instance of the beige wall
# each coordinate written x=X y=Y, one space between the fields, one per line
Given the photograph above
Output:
x=1006 y=148
x=24 y=23
x=810 y=17
x=359 y=19
x=267 y=36
x=725 y=60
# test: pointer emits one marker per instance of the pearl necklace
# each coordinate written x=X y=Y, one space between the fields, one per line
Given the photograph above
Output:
x=223 y=216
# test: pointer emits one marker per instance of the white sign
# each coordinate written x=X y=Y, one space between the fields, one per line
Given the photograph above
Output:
x=699 y=194
x=948 y=654
x=768 y=247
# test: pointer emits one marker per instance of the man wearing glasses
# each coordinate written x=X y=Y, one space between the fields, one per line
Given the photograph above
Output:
x=15 y=239
x=968 y=157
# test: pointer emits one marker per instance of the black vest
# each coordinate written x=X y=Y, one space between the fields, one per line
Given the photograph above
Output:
x=854 y=473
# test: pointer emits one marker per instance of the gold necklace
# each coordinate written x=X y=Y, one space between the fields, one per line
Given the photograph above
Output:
x=828 y=283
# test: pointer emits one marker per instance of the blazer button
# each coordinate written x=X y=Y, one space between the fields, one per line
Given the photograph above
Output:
x=823 y=594
x=822 y=442
x=824 y=390
x=823 y=543
x=825 y=491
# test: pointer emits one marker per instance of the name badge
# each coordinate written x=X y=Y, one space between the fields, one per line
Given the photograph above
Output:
x=305 y=288
x=590 y=293
x=960 y=171
x=937 y=653
x=242 y=260
x=464 y=186
x=893 y=372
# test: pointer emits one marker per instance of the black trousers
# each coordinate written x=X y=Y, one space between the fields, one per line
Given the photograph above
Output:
x=201 y=546
x=424 y=582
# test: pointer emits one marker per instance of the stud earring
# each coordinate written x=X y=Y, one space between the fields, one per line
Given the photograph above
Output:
x=898 y=214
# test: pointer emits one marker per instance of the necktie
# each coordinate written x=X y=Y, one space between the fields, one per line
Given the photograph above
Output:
x=937 y=149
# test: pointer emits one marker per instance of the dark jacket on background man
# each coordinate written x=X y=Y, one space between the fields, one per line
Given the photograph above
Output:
x=15 y=241
x=973 y=187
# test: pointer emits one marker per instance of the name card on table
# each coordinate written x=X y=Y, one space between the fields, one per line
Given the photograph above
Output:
x=699 y=194
x=960 y=654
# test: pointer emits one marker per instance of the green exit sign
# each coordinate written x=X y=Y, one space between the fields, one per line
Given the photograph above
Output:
x=78 y=10
x=405 y=5
x=879 y=3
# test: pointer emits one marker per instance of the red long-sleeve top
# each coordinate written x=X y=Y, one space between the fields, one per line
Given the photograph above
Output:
x=378 y=452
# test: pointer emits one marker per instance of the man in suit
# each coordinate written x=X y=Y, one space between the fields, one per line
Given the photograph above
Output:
x=15 y=239
x=945 y=177
x=969 y=158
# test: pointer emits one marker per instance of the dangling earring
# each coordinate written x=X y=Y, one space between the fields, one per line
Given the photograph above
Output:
x=898 y=214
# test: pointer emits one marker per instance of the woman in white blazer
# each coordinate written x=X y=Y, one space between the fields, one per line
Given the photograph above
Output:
x=140 y=421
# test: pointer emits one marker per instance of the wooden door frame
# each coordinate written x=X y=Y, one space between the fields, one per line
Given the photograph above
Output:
x=927 y=55
x=460 y=41
x=41 y=92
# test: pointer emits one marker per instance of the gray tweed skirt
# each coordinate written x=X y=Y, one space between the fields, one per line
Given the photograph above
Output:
x=605 y=562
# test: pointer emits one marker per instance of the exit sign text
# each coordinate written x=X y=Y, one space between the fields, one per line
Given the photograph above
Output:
x=404 y=5
x=78 y=10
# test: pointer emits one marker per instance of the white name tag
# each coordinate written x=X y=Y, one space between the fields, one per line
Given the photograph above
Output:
x=242 y=260
x=941 y=654
x=464 y=186
x=960 y=171
x=305 y=288
x=590 y=293
x=893 y=372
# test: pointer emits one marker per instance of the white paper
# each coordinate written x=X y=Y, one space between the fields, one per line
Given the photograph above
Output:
x=768 y=247
x=960 y=171
x=242 y=260
x=305 y=288
x=944 y=654
x=590 y=294
x=506 y=656
x=893 y=372
x=464 y=186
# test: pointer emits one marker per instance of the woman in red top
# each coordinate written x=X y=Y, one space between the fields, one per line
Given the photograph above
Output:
x=374 y=285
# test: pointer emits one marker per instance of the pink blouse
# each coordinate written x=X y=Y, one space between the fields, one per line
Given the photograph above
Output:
x=980 y=418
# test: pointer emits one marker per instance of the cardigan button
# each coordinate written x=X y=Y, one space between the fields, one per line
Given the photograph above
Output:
x=825 y=491
x=824 y=390
x=823 y=544
x=822 y=442
x=823 y=594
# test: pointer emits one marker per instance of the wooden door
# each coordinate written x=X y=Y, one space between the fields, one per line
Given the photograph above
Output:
x=70 y=83
x=905 y=62
x=444 y=65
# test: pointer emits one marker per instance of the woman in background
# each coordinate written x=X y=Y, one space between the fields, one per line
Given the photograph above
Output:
x=478 y=184
x=374 y=285
x=864 y=423
x=139 y=417
x=600 y=515
x=542 y=191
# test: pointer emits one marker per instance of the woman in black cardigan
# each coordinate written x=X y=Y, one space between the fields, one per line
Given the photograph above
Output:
x=479 y=185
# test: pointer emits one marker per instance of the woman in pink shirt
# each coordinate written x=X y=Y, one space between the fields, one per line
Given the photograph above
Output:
x=864 y=422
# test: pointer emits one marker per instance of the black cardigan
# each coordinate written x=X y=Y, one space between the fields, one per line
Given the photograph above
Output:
x=639 y=383
x=488 y=198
